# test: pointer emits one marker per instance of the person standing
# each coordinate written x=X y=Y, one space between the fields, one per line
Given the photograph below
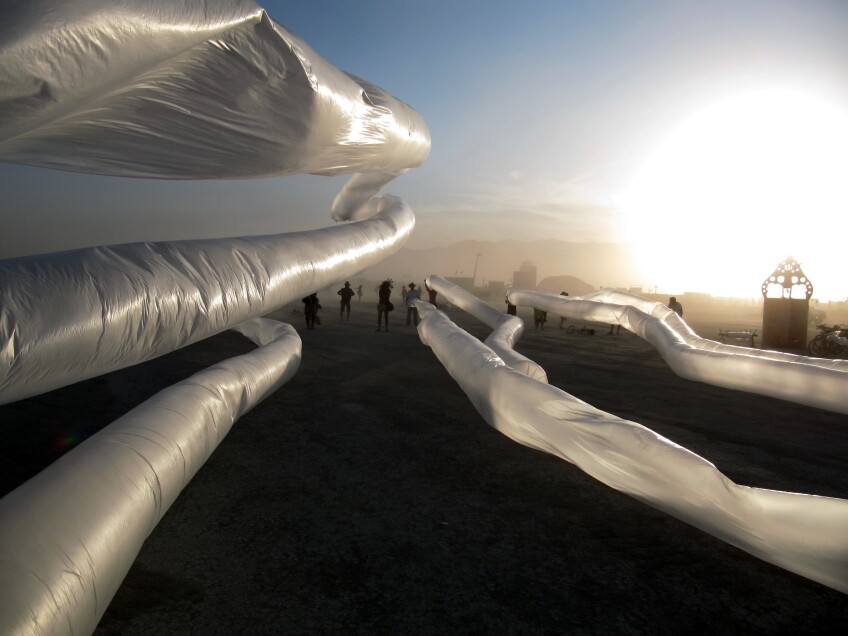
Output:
x=411 y=310
x=346 y=293
x=540 y=317
x=359 y=294
x=562 y=319
x=384 y=305
x=310 y=309
x=675 y=306
x=432 y=293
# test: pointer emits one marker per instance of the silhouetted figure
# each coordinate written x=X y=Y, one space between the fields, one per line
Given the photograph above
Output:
x=384 y=305
x=510 y=308
x=409 y=299
x=432 y=293
x=346 y=293
x=562 y=319
x=675 y=306
x=617 y=329
x=359 y=294
x=539 y=318
x=310 y=310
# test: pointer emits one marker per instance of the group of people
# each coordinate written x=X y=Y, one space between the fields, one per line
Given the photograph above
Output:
x=411 y=294
x=311 y=304
x=540 y=317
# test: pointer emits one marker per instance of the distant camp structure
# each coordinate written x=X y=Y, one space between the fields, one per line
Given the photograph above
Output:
x=785 y=313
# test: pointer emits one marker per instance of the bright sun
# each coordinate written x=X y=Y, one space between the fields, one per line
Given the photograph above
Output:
x=737 y=188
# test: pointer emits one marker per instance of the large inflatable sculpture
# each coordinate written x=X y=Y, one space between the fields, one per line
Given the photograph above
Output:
x=802 y=533
x=812 y=381
x=202 y=89
x=217 y=89
x=199 y=89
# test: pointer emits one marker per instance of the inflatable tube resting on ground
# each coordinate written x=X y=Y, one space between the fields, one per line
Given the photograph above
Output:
x=801 y=533
x=69 y=535
x=801 y=379
x=197 y=89
x=506 y=332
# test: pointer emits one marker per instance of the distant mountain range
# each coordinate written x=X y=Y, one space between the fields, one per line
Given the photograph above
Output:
x=572 y=285
x=597 y=264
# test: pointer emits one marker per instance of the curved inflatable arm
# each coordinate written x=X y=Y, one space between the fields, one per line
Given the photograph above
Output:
x=70 y=534
x=811 y=381
x=75 y=315
x=198 y=89
x=802 y=533
x=506 y=329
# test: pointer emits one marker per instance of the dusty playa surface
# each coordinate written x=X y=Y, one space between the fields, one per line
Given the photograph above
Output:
x=367 y=496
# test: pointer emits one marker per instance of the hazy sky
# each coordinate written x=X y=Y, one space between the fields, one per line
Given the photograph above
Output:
x=541 y=113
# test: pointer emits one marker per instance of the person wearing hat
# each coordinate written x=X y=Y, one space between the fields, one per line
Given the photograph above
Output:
x=411 y=311
x=346 y=293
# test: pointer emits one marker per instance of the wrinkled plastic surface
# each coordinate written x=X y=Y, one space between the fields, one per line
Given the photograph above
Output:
x=196 y=89
x=192 y=89
x=506 y=329
x=801 y=379
x=154 y=88
x=801 y=533
x=75 y=315
x=70 y=534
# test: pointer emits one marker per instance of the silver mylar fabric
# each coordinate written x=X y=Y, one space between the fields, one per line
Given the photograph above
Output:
x=801 y=379
x=187 y=90
x=506 y=329
x=176 y=90
x=69 y=535
x=74 y=315
x=801 y=533
x=192 y=89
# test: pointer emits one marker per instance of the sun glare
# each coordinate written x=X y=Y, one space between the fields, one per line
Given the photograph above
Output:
x=737 y=188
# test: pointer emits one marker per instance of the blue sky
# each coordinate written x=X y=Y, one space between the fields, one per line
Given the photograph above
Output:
x=541 y=113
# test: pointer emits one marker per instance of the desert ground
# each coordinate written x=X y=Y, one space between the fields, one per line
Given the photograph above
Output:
x=368 y=496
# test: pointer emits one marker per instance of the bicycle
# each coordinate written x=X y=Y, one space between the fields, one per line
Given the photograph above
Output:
x=830 y=342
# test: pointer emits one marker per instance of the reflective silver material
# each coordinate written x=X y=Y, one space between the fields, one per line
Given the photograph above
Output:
x=69 y=535
x=75 y=315
x=802 y=379
x=187 y=90
x=173 y=90
x=506 y=330
x=197 y=89
x=801 y=533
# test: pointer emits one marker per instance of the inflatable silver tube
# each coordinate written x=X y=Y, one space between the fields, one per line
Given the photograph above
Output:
x=812 y=381
x=199 y=89
x=69 y=535
x=801 y=533
x=506 y=332
x=75 y=315
x=683 y=331
x=188 y=90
